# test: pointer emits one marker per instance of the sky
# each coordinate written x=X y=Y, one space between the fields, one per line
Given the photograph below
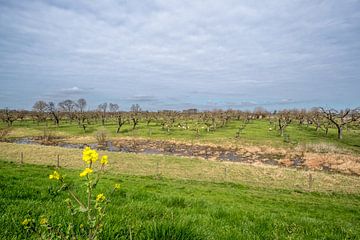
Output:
x=167 y=54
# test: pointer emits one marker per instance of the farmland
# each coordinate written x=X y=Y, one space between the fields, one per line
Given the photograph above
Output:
x=179 y=120
x=184 y=178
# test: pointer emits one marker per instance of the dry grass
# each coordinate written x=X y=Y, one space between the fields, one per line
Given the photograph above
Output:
x=29 y=132
x=188 y=168
x=322 y=147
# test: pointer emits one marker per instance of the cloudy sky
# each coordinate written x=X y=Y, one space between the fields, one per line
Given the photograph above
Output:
x=167 y=54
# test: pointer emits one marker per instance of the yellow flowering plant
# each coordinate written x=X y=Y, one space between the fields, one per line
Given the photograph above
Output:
x=92 y=208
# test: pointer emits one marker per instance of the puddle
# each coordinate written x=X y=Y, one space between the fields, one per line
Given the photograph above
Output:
x=162 y=147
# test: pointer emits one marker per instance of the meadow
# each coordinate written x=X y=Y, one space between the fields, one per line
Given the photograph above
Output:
x=153 y=207
x=256 y=132
x=181 y=197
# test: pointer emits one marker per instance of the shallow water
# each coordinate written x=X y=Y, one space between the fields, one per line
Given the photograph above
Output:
x=160 y=147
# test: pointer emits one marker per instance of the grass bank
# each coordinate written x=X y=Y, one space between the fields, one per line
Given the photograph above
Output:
x=189 y=168
x=163 y=208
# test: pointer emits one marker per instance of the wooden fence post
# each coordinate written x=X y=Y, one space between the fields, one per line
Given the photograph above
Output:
x=22 y=158
x=310 y=181
x=58 y=161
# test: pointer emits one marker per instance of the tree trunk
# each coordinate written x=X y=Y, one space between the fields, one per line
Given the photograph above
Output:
x=339 y=128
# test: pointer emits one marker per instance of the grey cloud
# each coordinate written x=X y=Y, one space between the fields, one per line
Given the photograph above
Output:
x=142 y=98
x=230 y=51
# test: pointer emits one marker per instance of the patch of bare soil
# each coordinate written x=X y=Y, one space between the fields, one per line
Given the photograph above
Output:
x=345 y=163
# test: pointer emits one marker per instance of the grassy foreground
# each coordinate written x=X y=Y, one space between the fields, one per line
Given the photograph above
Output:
x=152 y=208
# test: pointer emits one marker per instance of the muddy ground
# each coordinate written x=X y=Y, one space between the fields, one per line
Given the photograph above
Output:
x=345 y=163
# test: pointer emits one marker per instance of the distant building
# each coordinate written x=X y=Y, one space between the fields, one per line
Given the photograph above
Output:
x=190 y=111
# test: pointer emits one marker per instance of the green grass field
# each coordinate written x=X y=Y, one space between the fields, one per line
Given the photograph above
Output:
x=171 y=197
x=151 y=208
x=256 y=132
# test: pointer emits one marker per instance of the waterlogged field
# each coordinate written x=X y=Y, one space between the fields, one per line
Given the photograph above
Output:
x=155 y=207
x=256 y=132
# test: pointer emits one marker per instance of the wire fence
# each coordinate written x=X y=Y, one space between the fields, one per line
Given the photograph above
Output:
x=212 y=172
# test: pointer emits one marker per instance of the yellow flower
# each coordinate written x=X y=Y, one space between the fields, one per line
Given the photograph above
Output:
x=86 y=172
x=100 y=197
x=90 y=155
x=25 y=222
x=43 y=221
x=104 y=160
x=94 y=156
x=87 y=154
x=55 y=175
x=117 y=186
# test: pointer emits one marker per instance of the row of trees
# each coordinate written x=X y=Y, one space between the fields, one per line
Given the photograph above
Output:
x=75 y=111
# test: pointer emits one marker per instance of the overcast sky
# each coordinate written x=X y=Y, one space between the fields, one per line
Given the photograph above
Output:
x=180 y=54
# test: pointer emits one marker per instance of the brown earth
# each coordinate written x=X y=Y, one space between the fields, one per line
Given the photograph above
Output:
x=342 y=162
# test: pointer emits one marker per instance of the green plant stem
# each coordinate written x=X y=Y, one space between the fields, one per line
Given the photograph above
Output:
x=76 y=198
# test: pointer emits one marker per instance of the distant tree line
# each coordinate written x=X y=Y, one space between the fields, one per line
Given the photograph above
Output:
x=76 y=112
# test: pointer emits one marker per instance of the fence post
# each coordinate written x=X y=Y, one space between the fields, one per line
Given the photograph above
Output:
x=157 y=168
x=22 y=158
x=310 y=181
x=225 y=173
x=58 y=161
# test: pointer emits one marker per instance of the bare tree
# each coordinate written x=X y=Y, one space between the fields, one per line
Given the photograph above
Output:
x=68 y=106
x=341 y=118
x=102 y=109
x=316 y=117
x=121 y=119
x=135 y=114
x=39 y=108
x=284 y=119
x=8 y=116
x=135 y=108
x=81 y=104
x=240 y=130
x=113 y=107
x=53 y=112
x=120 y=116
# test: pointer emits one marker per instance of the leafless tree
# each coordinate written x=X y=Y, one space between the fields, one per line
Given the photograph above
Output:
x=68 y=106
x=341 y=118
x=120 y=116
x=135 y=108
x=240 y=130
x=326 y=124
x=260 y=112
x=135 y=114
x=8 y=116
x=316 y=117
x=81 y=104
x=284 y=119
x=51 y=108
x=300 y=115
x=113 y=107
x=102 y=109
x=40 y=108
